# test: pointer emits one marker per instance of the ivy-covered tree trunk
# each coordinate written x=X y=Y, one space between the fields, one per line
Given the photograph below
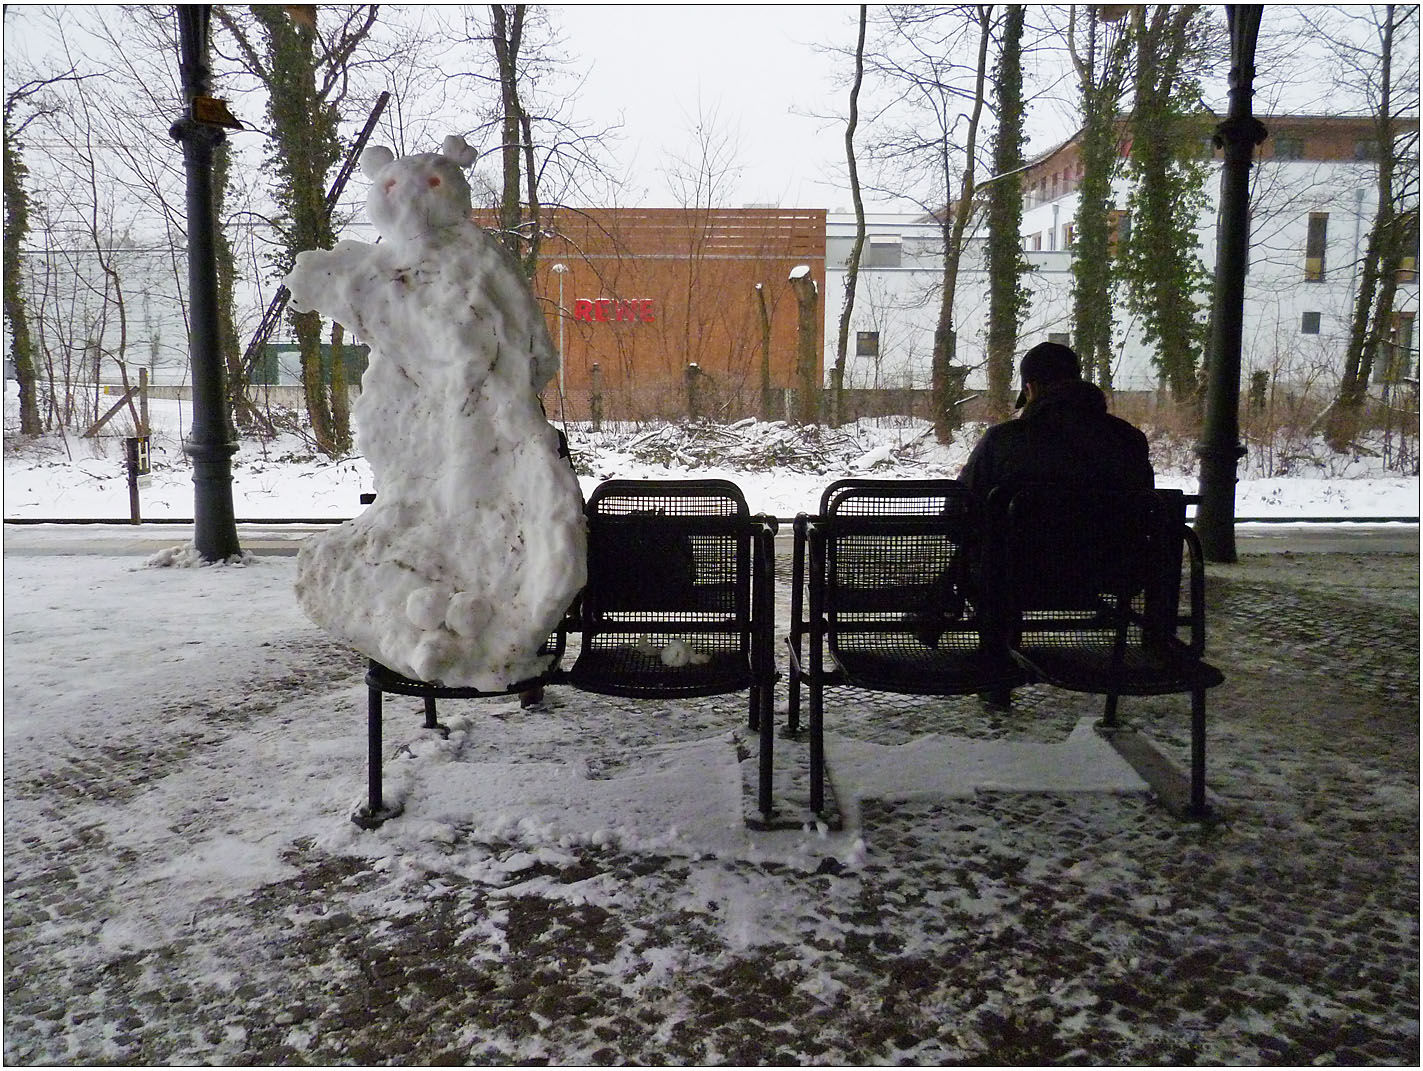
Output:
x=305 y=129
x=1101 y=67
x=1007 y=298
x=17 y=225
x=244 y=413
x=303 y=74
x=340 y=393
x=1166 y=281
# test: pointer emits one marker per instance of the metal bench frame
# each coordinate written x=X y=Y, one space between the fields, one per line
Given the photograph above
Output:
x=972 y=557
x=726 y=608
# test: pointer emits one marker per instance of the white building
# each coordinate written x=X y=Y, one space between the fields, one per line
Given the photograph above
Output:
x=1314 y=197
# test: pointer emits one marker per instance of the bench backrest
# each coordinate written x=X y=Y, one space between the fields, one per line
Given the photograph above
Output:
x=1072 y=561
x=894 y=550
x=675 y=554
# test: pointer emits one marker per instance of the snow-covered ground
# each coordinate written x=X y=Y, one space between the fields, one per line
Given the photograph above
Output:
x=182 y=750
x=782 y=470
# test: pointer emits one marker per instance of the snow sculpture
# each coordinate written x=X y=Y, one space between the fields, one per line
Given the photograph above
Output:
x=475 y=544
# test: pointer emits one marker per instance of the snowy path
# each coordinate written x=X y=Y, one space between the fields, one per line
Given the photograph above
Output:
x=182 y=883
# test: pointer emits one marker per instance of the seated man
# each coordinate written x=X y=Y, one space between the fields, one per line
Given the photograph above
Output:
x=1062 y=436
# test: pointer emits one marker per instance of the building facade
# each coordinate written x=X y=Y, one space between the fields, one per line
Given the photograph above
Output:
x=658 y=313
x=1313 y=199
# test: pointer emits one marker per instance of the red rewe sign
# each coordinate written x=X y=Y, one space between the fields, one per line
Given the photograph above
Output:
x=613 y=311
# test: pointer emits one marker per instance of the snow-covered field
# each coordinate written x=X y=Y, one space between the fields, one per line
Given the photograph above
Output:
x=782 y=470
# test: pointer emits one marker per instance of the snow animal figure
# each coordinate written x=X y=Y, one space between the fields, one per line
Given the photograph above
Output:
x=475 y=545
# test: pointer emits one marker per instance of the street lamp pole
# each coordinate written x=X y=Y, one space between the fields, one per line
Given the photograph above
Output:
x=560 y=270
x=1219 y=448
x=211 y=442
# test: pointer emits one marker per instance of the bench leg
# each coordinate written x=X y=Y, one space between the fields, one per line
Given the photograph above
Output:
x=1198 y=754
x=793 y=688
x=817 y=748
x=766 y=728
x=1109 y=713
x=375 y=811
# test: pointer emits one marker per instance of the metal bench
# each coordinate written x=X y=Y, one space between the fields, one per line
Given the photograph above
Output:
x=913 y=587
x=1091 y=586
x=678 y=604
x=885 y=570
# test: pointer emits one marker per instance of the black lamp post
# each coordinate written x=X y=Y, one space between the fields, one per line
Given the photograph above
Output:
x=1219 y=448
x=211 y=442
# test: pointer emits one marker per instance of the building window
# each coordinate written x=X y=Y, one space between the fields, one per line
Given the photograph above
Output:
x=1067 y=235
x=1060 y=337
x=866 y=343
x=1407 y=269
x=1289 y=147
x=1366 y=149
x=884 y=251
x=1309 y=323
x=1038 y=240
x=1314 y=246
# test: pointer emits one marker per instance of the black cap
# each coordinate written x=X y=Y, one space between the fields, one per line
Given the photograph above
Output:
x=1047 y=362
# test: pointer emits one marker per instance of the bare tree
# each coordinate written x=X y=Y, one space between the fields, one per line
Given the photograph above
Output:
x=936 y=62
x=545 y=156
x=852 y=267
x=1383 y=66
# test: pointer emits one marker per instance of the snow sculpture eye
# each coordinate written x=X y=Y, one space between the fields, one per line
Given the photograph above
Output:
x=389 y=185
x=433 y=181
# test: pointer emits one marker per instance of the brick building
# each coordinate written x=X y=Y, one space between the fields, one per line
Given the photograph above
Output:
x=644 y=293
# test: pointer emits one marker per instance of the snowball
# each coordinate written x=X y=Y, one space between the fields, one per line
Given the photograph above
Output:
x=426 y=607
x=680 y=653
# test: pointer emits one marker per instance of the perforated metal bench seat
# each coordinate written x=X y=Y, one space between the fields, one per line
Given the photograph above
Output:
x=616 y=665
x=901 y=663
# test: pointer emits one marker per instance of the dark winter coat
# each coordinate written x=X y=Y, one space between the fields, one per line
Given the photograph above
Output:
x=1064 y=437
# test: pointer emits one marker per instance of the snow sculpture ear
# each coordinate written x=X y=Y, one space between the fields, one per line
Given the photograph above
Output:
x=457 y=150
x=375 y=158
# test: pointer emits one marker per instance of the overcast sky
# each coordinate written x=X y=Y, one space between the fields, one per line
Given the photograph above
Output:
x=765 y=78
x=754 y=68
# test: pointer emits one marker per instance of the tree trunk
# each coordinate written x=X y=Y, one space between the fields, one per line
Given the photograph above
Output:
x=1165 y=278
x=807 y=363
x=1100 y=71
x=17 y=206
x=508 y=29
x=340 y=394
x=307 y=328
x=244 y=413
x=1342 y=426
x=947 y=385
x=768 y=403
x=1007 y=300
x=852 y=269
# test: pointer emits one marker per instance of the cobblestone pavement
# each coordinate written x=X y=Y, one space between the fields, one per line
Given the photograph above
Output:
x=999 y=929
